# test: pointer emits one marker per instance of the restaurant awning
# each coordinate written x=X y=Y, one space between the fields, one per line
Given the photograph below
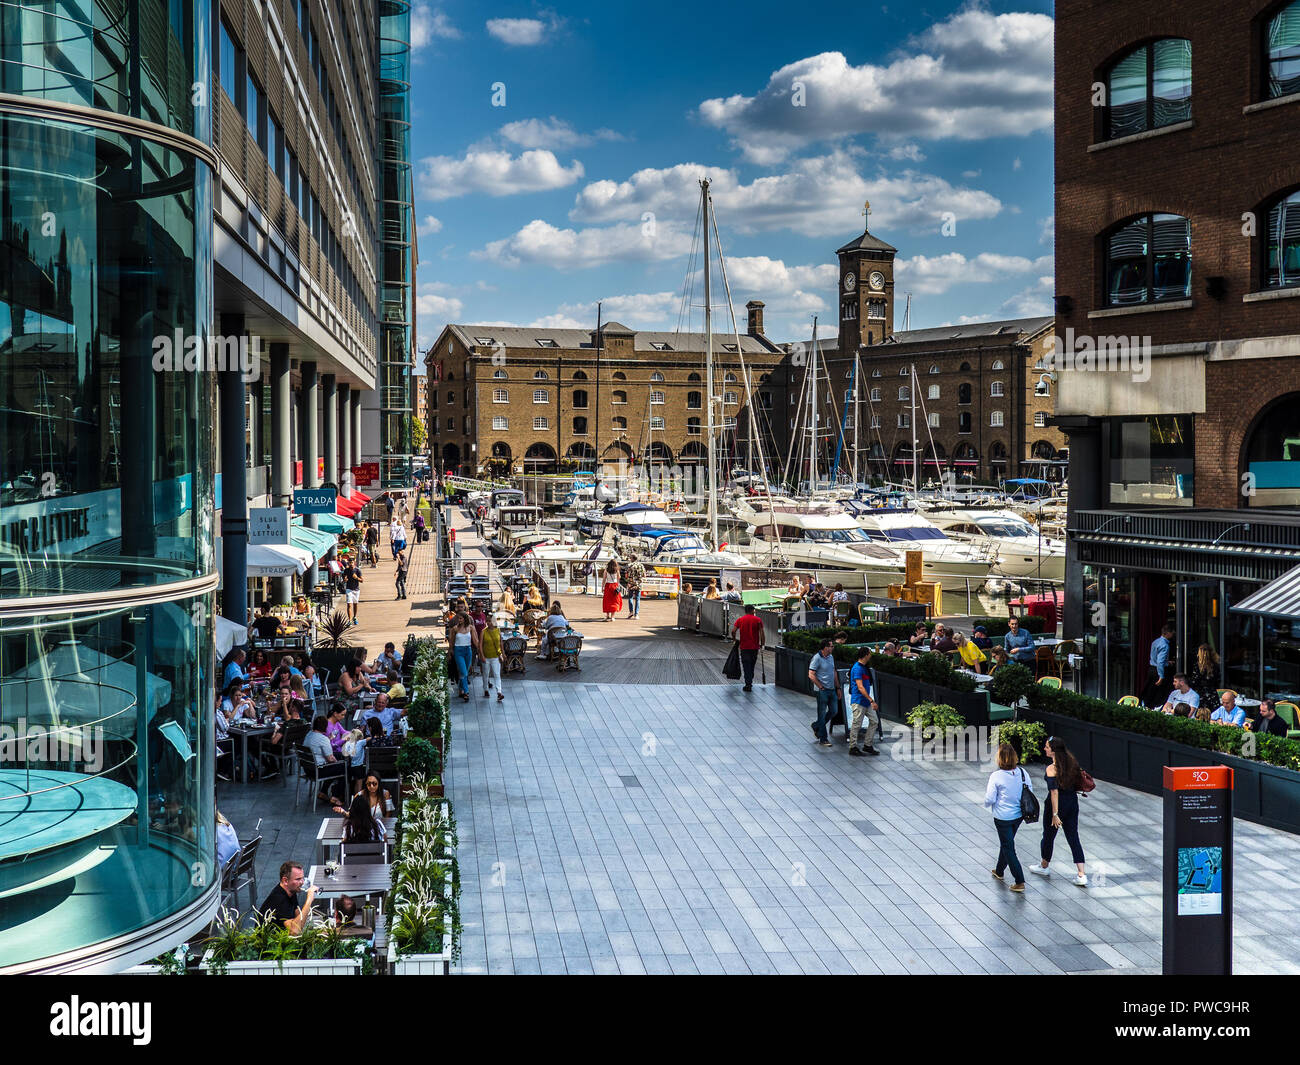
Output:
x=360 y=496
x=334 y=523
x=317 y=541
x=347 y=507
x=273 y=560
x=1278 y=599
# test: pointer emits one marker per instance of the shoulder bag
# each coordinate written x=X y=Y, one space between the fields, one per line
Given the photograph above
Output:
x=1028 y=802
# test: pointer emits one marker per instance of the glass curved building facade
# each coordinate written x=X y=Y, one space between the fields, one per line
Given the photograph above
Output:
x=107 y=572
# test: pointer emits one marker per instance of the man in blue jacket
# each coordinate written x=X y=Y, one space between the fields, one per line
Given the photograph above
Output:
x=1019 y=643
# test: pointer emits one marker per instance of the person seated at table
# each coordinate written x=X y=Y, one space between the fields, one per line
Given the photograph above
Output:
x=1183 y=692
x=796 y=589
x=839 y=595
x=731 y=595
x=389 y=660
x=1019 y=643
x=353 y=681
x=282 y=903
x=1203 y=714
x=227 y=841
x=555 y=622
x=920 y=639
x=310 y=680
x=890 y=650
x=317 y=741
x=381 y=803
x=840 y=637
x=266 y=623
x=287 y=663
x=817 y=598
x=232 y=667
x=298 y=689
x=687 y=589
x=301 y=607
x=396 y=689
x=980 y=638
x=534 y=598
x=360 y=824
x=942 y=640
x=1000 y=659
x=260 y=667
x=1229 y=713
x=971 y=656
x=236 y=705
x=1269 y=723
x=354 y=748
x=507 y=604
x=1183 y=709
x=384 y=712
x=335 y=730
x=346 y=918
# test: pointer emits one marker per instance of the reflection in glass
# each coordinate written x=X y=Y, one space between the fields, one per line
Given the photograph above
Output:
x=1149 y=88
x=1152 y=460
x=1149 y=260
x=1283 y=47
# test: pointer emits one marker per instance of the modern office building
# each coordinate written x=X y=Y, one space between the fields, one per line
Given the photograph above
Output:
x=191 y=225
x=1177 y=268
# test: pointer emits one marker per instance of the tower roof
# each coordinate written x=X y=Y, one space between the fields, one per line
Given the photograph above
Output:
x=868 y=242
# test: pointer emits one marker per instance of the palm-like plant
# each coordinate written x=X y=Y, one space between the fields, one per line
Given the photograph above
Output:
x=333 y=632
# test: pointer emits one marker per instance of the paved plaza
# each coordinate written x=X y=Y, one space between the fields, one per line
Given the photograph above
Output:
x=669 y=829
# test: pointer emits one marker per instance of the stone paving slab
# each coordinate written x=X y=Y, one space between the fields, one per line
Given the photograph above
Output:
x=743 y=847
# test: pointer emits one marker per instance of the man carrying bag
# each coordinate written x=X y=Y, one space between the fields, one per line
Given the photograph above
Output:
x=748 y=633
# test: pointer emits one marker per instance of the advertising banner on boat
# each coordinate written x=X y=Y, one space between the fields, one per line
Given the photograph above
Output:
x=662 y=580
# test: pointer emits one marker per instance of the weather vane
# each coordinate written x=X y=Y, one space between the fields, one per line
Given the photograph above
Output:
x=866 y=211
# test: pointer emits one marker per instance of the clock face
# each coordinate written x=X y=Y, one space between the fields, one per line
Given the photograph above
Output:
x=876 y=280
x=850 y=281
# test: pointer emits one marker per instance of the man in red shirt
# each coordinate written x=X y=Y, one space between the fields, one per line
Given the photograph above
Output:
x=749 y=630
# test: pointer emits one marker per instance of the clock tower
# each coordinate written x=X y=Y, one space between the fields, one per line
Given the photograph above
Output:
x=866 y=296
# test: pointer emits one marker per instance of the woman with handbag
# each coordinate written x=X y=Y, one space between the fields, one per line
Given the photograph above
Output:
x=612 y=601
x=1065 y=781
x=1010 y=796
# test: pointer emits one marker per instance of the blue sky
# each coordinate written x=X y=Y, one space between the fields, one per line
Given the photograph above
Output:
x=584 y=185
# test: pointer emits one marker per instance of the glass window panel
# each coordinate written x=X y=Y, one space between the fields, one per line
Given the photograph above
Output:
x=1283 y=45
x=1282 y=269
x=1152 y=460
x=1171 y=81
x=228 y=66
x=1127 y=93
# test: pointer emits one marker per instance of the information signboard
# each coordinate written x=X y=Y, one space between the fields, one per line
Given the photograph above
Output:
x=315 y=500
x=268 y=525
x=1198 y=870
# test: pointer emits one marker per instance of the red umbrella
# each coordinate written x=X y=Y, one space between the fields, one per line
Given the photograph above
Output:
x=348 y=508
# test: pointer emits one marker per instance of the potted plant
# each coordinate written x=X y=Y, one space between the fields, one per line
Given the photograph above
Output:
x=418 y=758
x=424 y=928
x=321 y=949
x=1010 y=684
x=935 y=720
x=1027 y=737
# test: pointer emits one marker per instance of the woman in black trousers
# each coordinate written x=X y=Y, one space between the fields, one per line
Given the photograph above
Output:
x=1064 y=783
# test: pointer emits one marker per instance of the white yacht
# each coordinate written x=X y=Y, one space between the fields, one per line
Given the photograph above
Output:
x=1021 y=551
x=908 y=530
x=657 y=545
x=794 y=535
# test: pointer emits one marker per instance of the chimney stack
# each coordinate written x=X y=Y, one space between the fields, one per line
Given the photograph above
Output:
x=755 y=309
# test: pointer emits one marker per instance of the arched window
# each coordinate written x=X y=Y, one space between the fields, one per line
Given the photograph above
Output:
x=963 y=393
x=620 y=423
x=729 y=379
x=995 y=419
x=1282 y=243
x=1272 y=456
x=580 y=398
x=904 y=392
x=693 y=377
x=578 y=375
x=997 y=389
x=1149 y=260
x=694 y=401
x=499 y=375
x=619 y=375
x=1149 y=87
x=1044 y=386
x=875 y=372
x=656 y=398
x=934 y=367
x=656 y=376
x=618 y=397
x=539 y=375
x=692 y=426
x=540 y=395
x=965 y=367
x=875 y=395
x=1282 y=53
x=997 y=364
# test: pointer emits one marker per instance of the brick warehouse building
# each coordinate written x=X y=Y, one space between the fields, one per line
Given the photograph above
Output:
x=985 y=393
x=1178 y=227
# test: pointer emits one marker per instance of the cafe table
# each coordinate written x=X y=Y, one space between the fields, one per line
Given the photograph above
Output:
x=243 y=733
x=353 y=880
x=329 y=837
x=978 y=678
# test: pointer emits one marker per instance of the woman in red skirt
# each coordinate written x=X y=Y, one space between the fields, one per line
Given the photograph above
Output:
x=613 y=598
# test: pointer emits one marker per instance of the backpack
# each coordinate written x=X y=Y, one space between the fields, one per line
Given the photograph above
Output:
x=1028 y=802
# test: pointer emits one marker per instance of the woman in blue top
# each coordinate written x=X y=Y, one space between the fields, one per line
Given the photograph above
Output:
x=1006 y=783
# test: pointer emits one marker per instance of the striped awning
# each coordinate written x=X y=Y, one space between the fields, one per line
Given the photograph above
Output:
x=1279 y=598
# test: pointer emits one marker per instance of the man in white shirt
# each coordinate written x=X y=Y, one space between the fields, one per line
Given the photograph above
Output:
x=1182 y=693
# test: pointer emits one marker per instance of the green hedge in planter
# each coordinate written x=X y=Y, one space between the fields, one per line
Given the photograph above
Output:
x=418 y=757
x=1275 y=750
x=809 y=640
x=931 y=668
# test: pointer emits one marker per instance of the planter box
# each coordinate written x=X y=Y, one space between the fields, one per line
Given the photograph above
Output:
x=1266 y=794
x=421 y=964
x=792 y=669
x=297 y=967
x=336 y=658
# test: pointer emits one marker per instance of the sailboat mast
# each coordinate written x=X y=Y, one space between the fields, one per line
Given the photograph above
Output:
x=812 y=421
x=916 y=463
x=857 y=369
x=708 y=366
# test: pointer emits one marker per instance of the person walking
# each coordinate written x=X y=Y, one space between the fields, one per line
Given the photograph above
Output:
x=372 y=543
x=748 y=630
x=388 y=506
x=397 y=538
x=490 y=647
x=612 y=601
x=399 y=575
x=633 y=575
x=864 y=704
x=352 y=581
x=1064 y=782
x=1159 y=668
x=1002 y=796
x=464 y=644
x=821 y=675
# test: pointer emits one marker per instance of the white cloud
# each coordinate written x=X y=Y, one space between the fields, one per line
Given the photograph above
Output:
x=911 y=152
x=933 y=275
x=971 y=175
x=820 y=196
x=494 y=173
x=1016 y=164
x=540 y=243
x=521 y=32
x=557 y=321
x=431 y=305
x=428 y=226
x=428 y=25
x=552 y=133
x=1034 y=300
x=1047 y=230
x=974 y=76
x=646 y=310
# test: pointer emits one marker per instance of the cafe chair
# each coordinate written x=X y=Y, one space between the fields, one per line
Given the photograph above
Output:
x=841 y=612
x=1129 y=700
x=363 y=853
x=1290 y=713
x=245 y=874
x=1226 y=691
x=316 y=775
x=228 y=880
x=1045 y=664
x=284 y=753
x=1051 y=682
